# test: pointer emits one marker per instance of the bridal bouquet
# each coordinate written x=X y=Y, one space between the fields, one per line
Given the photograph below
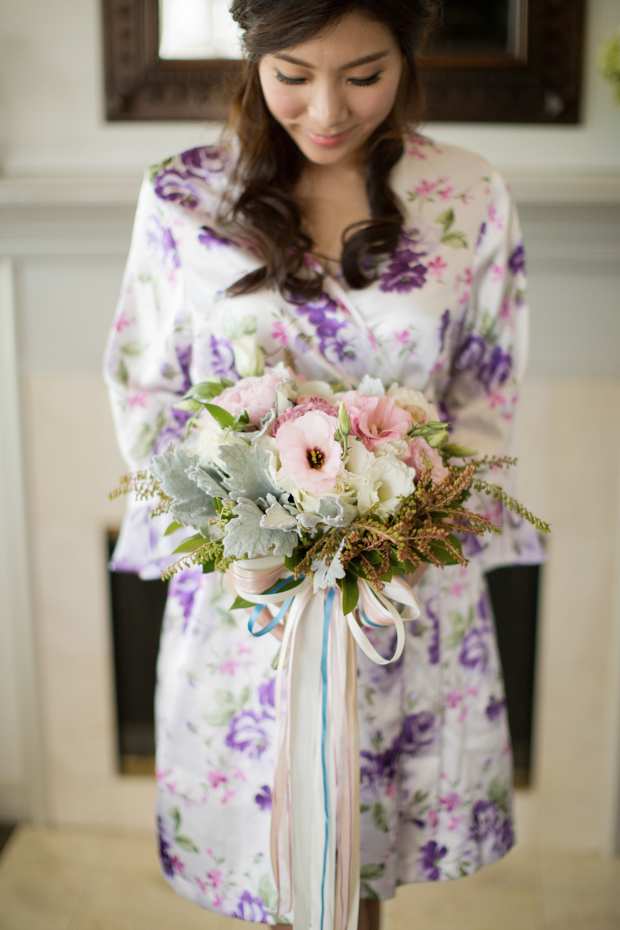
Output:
x=316 y=502
x=343 y=486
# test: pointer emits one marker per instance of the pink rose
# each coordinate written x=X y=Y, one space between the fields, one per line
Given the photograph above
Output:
x=415 y=460
x=309 y=454
x=256 y=395
x=375 y=419
x=312 y=403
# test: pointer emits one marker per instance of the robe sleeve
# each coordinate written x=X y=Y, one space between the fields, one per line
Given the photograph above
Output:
x=488 y=355
x=146 y=369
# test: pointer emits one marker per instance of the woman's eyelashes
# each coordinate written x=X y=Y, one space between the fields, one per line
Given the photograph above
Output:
x=357 y=82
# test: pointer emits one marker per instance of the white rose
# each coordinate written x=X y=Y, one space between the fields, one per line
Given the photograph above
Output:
x=415 y=403
x=308 y=501
x=398 y=448
x=383 y=484
x=249 y=357
x=315 y=389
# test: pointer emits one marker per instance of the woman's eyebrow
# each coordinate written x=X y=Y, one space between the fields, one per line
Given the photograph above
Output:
x=352 y=64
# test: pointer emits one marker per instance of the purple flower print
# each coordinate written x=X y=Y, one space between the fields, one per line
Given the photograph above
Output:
x=172 y=185
x=433 y=646
x=431 y=853
x=404 y=273
x=161 y=241
x=248 y=731
x=443 y=328
x=418 y=734
x=185 y=358
x=379 y=767
x=184 y=587
x=173 y=432
x=495 y=708
x=263 y=798
x=516 y=262
x=474 y=651
x=222 y=358
x=497 y=370
x=504 y=838
x=484 y=820
x=165 y=858
x=267 y=692
x=209 y=237
x=204 y=160
x=470 y=354
x=481 y=235
x=250 y=908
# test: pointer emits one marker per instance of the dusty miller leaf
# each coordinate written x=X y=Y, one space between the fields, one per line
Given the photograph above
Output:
x=191 y=505
x=324 y=576
x=247 y=469
x=337 y=512
x=208 y=479
x=246 y=537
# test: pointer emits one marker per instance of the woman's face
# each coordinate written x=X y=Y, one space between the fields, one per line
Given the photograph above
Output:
x=332 y=92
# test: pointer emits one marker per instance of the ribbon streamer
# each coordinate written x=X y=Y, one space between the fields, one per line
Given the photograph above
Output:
x=315 y=806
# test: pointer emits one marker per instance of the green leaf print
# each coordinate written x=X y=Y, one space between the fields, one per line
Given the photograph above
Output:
x=176 y=818
x=446 y=219
x=267 y=893
x=379 y=818
x=220 y=719
x=133 y=348
x=369 y=892
x=456 y=240
x=185 y=843
x=460 y=625
x=364 y=808
x=371 y=872
x=500 y=795
x=225 y=697
x=122 y=374
x=145 y=440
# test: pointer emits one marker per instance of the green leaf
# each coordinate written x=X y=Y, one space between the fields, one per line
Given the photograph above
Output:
x=267 y=893
x=223 y=417
x=370 y=873
x=191 y=544
x=225 y=697
x=133 y=348
x=446 y=219
x=240 y=602
x=221 y=718
x=174 y=526
x=455 y=449
x=369 y=893
x=442 y=553
x=379 y=818
x=191 y=406
x=292 y=561
x=456 y=240
x=208 y=566
x=350 y=592
x=176 y=818
x=185 y=843
x=364 y=808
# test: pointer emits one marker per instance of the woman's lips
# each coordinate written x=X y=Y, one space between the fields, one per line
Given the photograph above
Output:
x=327 y=141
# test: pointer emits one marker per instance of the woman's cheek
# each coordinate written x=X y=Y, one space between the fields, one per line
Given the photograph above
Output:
x=283 y=103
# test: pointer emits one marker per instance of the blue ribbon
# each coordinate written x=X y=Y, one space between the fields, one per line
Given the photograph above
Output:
x=329 y=600
x=377 y=626
x=260 y=607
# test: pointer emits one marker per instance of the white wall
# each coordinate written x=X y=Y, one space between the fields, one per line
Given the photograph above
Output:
x=52 y=122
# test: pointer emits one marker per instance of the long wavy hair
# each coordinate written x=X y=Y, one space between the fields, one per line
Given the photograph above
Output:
x=263 y=212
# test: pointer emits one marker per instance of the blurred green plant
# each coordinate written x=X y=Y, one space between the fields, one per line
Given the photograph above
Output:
x=609 y=62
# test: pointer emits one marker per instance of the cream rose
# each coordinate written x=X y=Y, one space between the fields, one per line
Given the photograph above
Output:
x=415 y=403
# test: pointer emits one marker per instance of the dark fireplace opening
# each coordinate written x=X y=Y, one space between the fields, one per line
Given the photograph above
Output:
x=137 y=612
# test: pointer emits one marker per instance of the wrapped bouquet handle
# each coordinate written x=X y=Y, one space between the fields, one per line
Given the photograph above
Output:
x=315 y=810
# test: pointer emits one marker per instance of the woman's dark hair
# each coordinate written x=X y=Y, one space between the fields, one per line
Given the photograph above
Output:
x=264 y=213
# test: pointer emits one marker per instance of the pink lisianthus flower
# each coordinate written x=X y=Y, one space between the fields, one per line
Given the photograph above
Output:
x=256 y=395
x=415 y=459
x=375 y=419
x=312 y=403
x=309 y=454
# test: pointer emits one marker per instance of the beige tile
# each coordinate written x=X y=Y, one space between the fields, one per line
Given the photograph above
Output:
x=503 y=896
x=42 y=876
x=581 y=892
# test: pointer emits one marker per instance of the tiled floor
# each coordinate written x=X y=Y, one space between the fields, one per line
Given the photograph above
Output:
x=71 y=880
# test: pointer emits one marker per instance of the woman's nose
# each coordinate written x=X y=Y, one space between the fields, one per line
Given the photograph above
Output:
x=327 y=105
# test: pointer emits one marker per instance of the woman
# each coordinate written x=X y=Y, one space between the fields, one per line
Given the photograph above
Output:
x=329 y=235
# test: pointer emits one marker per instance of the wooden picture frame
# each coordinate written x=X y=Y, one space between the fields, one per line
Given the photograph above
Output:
x=539 y=82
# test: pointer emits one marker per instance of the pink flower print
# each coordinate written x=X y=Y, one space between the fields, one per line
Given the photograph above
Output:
x=463 y=298
x=216 y=879
x=243 y=650
x=472 y=692
x=466 y=197
x=497 y=272
x=227 y=796
x=238 y=774
x=454 y=822
x=450 y=801
x=496 y=399
x=425 y=188
x=229 y=667
x=137 y=400
x=172 y=787
x=506 y=310
x=437 y=266
x=202 y=885
x=279 y=333
x=457 y=589
x=468 y=277
x=177 y=864
x=216 y=778
x=433 y=818
x=160 y=775
x=446 y=192
x=492 y=212
x=453 y=699
x=122 y=322
x=402 y=338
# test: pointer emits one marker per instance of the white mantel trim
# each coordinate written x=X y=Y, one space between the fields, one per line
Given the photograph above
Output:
x=16 y=589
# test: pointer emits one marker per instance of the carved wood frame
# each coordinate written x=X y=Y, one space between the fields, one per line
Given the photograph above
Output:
x=539 y=83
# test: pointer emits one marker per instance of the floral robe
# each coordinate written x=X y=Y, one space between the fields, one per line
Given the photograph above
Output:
x=447 y=316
